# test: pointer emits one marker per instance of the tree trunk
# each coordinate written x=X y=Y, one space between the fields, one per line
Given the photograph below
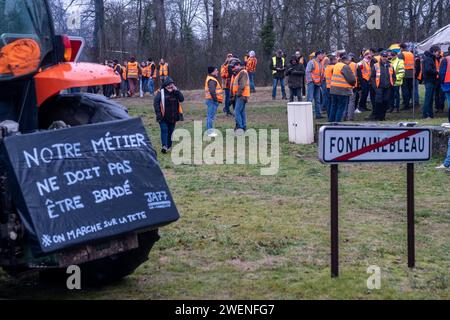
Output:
x=139 y=33
x=217 y=29
x=161 y=30
x=329 y=18
x=350 y=27
x=99 y=31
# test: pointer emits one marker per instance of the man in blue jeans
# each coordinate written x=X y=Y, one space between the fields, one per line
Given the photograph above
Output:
x=430 y=78
x=240 y=93
x=314 y=76
x=213 y=96
x=278 y=67
x=342 y=83
x=168 y=110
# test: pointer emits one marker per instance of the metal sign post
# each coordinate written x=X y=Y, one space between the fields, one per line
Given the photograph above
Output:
x=334 y=220
x=338 y=144
x=410 y=214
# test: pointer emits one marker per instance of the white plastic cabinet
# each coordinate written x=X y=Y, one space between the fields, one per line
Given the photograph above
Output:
x=300 y=122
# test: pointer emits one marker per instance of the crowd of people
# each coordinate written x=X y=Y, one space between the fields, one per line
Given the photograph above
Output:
x=338 y=84
x=136 y=78
x=341 y=84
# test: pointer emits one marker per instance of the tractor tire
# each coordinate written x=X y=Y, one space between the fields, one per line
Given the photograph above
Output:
x=80 y=109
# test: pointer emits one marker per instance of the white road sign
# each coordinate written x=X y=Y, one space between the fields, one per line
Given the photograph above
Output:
x=339 y=144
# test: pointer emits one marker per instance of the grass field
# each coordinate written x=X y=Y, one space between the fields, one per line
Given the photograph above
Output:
x=246 y=236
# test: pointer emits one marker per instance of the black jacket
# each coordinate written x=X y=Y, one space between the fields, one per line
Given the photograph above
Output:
x=429 y=72
x=296 y=74
x=384 y=77
x=172 y=100
x=279 y=64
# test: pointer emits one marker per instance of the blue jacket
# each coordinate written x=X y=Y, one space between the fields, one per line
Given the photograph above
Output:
x=442 y=71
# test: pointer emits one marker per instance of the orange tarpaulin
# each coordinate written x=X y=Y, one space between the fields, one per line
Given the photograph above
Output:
x=20 y=57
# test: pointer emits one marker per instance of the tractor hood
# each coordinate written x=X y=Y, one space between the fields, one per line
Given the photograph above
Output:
x=72 y=75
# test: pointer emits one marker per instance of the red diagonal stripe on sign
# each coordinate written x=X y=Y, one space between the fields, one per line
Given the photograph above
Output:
x=377 y=145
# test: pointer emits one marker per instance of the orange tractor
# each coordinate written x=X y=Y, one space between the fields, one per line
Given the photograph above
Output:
x=36 y=67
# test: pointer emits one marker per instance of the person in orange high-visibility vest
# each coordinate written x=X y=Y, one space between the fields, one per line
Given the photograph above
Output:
x=133 y=73
x=328 y=75
x=250 y=66
x=342 y=82
x=382 y=80
x=408 y=80
x=213 y=97
x=145 y=76
x=349 y=113
x=364 y=74
x=240 y=92
x=163 y=71
x=314 y=78
x=226 y=75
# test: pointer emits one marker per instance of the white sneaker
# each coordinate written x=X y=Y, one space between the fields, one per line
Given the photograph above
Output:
x=442 y=167
x=358 y=111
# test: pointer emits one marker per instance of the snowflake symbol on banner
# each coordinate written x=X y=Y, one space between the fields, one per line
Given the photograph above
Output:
x=46 y=240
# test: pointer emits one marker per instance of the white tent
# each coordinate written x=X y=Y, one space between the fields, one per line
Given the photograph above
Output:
x=440 y=38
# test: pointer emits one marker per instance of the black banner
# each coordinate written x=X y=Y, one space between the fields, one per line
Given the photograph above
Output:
x=90 y=182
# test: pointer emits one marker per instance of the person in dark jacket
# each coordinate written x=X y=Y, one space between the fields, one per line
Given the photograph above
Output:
x=278 y=68
x=383 y=87
x=430 y=79
x=296 y=78
x=168 y=110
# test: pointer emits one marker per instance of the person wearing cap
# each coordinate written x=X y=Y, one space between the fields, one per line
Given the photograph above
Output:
x=343 y=81
x=240 y=93
x=364 y=73
x=250 y=66
x=296 y=76
x=213 y=97
x=278 y=68
x=382 y=80
x=430 y=77
x=225 y=74
x=168 y=110
x=399 y=69
x=314 y=76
